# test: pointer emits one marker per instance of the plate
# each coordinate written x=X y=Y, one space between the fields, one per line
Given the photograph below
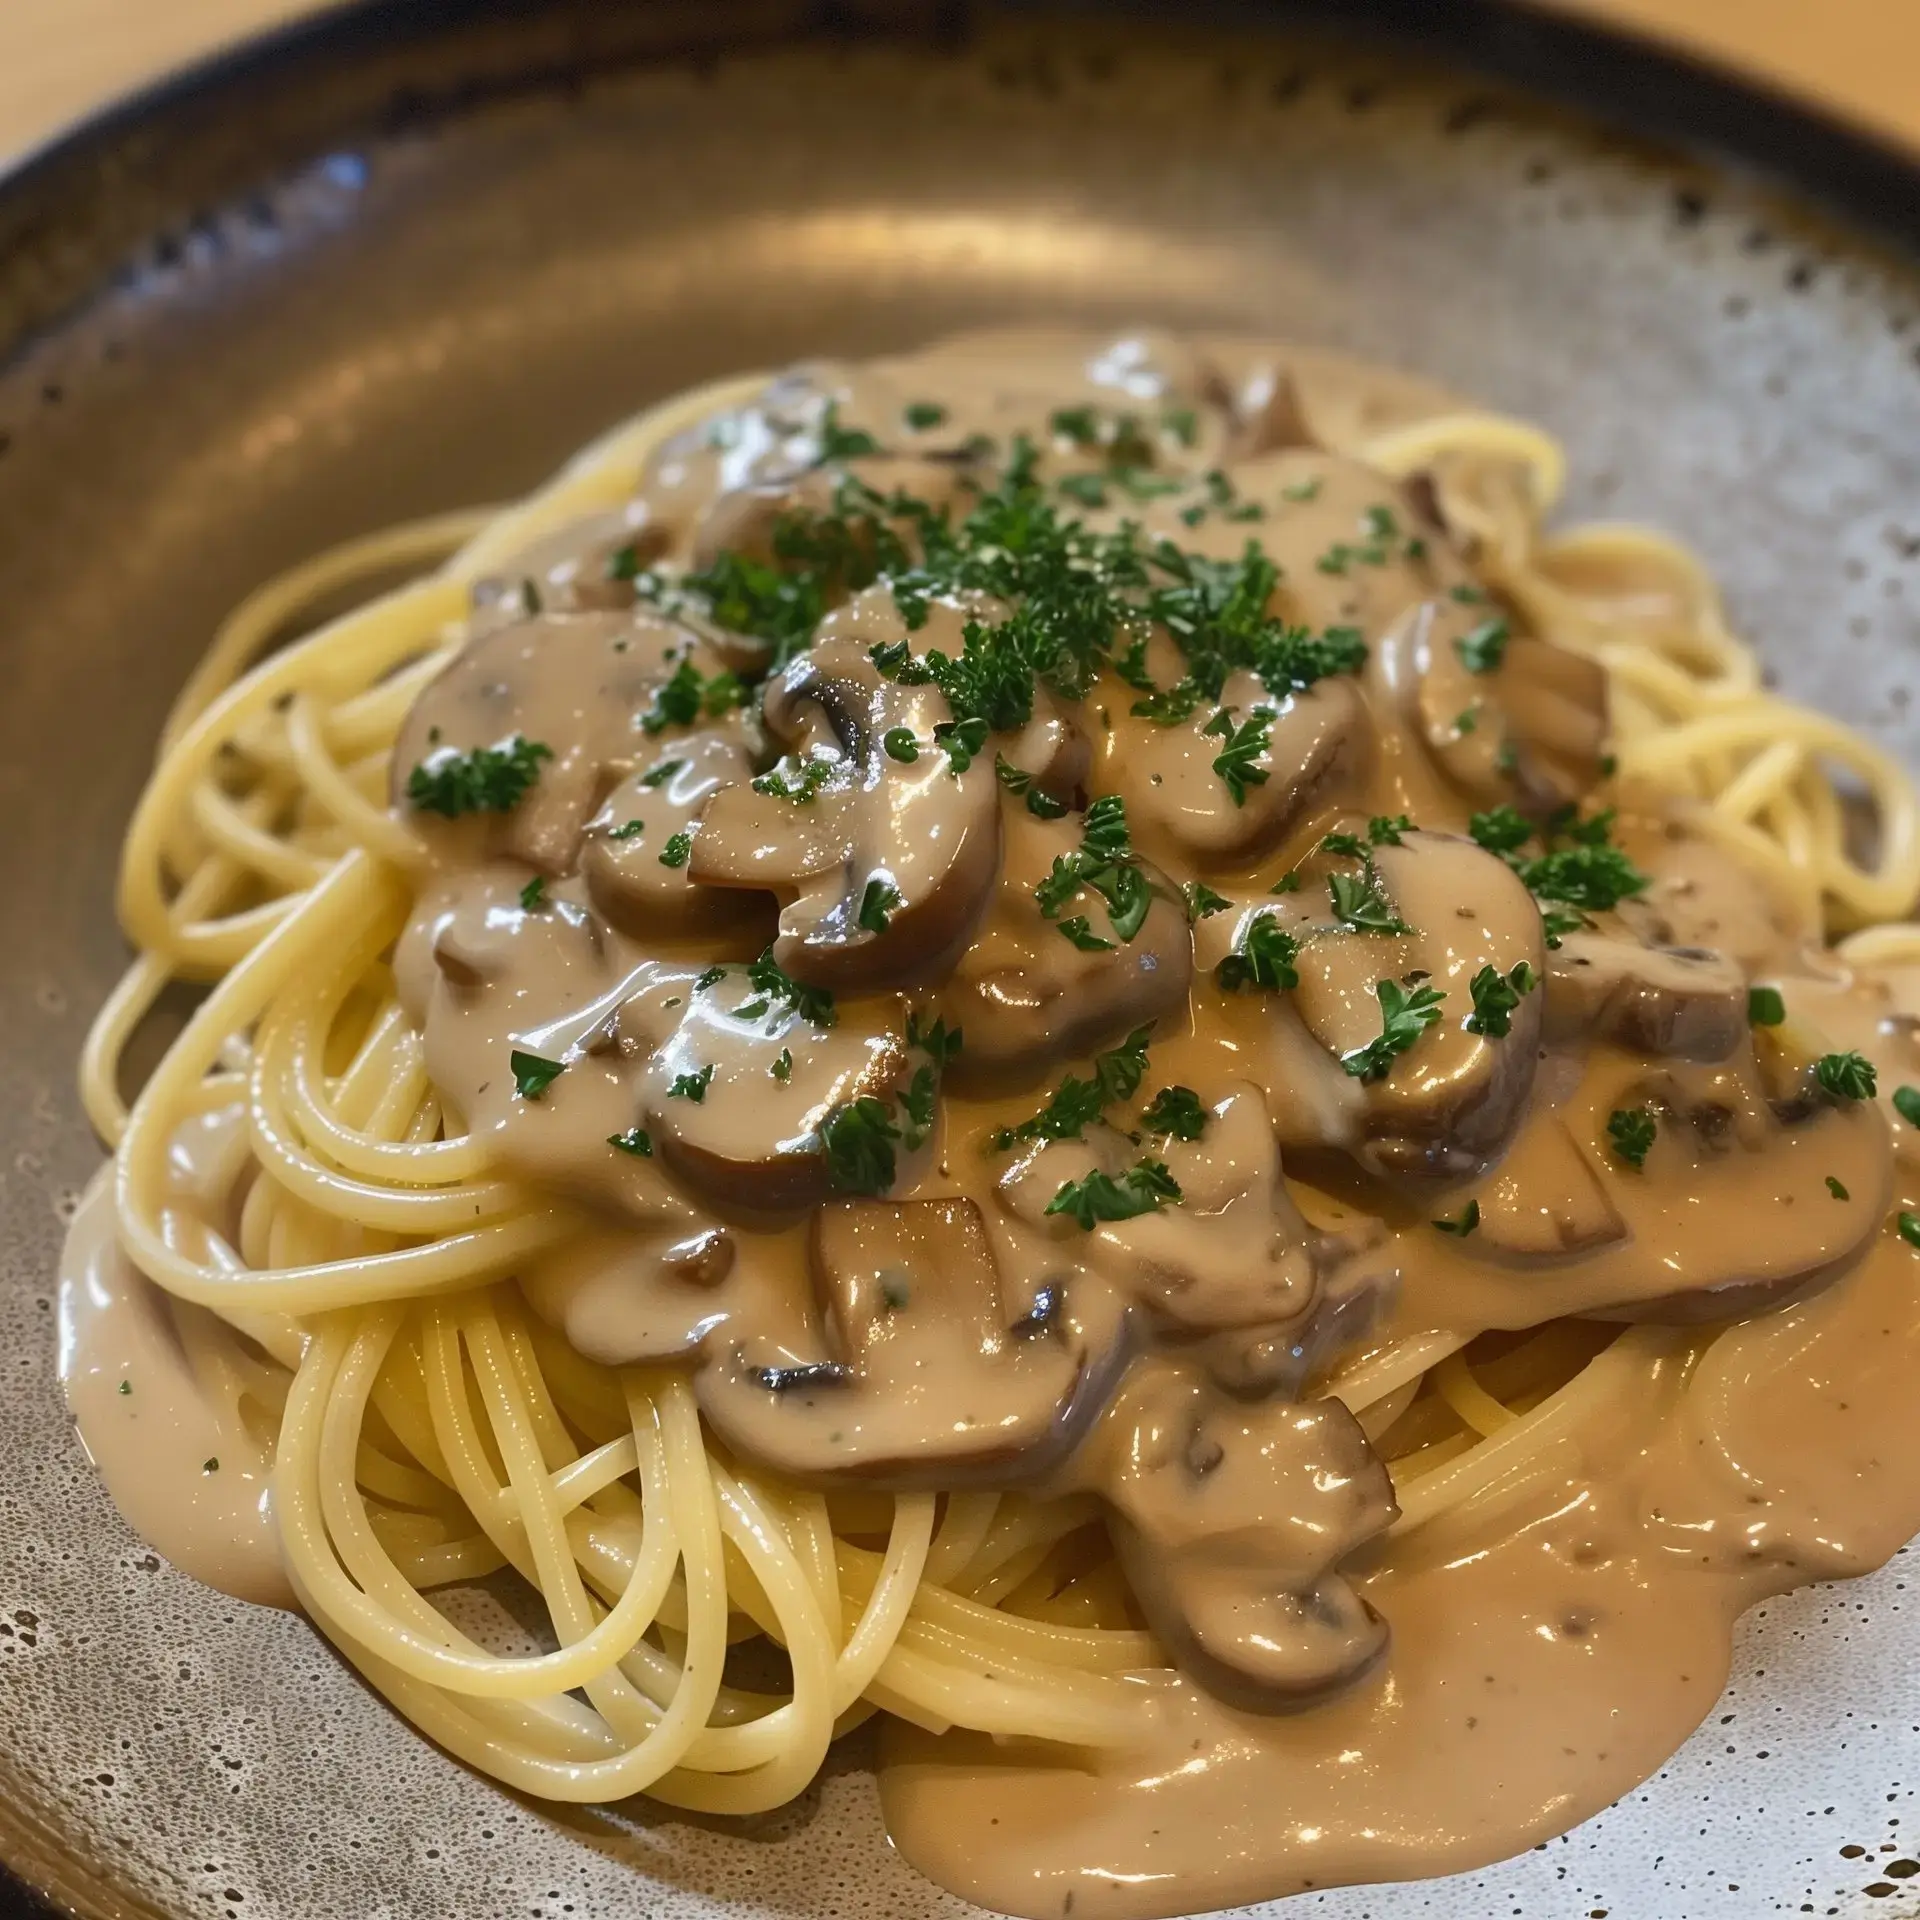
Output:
x=404 y=259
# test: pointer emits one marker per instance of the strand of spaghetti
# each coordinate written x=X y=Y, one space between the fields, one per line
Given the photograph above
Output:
x=1637 y=1356
x=366 y=824
x=270 y=609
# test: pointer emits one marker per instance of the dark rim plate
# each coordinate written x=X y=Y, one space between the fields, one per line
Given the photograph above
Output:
x=403 y=257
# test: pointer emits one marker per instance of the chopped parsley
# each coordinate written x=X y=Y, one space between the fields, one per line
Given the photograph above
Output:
x=1630 y=1133
x=1906 y=1103
x=1838 y=1191
x=1041 y=804
x=1496 y=995
x=533 y=896
x=1077 y=930
x=1505 y=829
x=1203 y=902
x=627 y=830
x=1765 y=1007
x=843 y=443
x=660 y=775
x=487 y=780
x=858 y=1141
x=1262 y=960
x=1077 y=1103
x=1463 y=1223
x=1143 y=1188
x=1103 y=863
x=782 y=1068
x=708 y=977
x=1845 y=1076
x=689 y=696
x=1909 y=1225
x=922 y=414
x=900 y=744
x=677 y=851
x=636 y=1141
x=692 y=1086
x=1383 y=830
x=1287 y=883
x=797 y=781
x=1361 y=904
x=1175 y=1112
x=1485 y=648
x=1244 y=745
x=877 y=903
x=533 y=1075
x=1404 y=1017
x=812 y=1004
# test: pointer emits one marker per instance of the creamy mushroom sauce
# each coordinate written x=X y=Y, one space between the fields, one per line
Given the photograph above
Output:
x=714 y=841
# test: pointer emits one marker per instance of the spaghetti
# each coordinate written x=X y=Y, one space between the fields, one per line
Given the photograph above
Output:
x=428 y=1430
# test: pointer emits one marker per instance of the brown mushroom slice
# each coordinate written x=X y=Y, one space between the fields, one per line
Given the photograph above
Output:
x=578 y=686
x=1234 y=1251
x=1026 y=996
x=1269 y=416
x=939 y=1375
x=1319 y=749
x=1686 y=1001
x=1735 y=1208
x=587 y=565
x=1051 y=754
x=636 y=1298
x=1701 y=893
x=1546 y=1200
x=738 y=1084
x=884 y=869
x=628 y=858
x=1531 y=727
x=750 y=521
x=1231 y=1520
x=1450 y=1101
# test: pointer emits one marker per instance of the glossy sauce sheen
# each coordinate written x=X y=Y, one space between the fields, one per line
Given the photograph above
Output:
x=1350 y=1702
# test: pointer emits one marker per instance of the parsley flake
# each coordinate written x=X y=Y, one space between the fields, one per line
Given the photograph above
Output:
x=1845 y=1076
x=1496 y=995
x=692 y=1086
x=1175 y=1112
x=636 y=1140
x=1630 y=1133
x=487 y=780
x=1463 y=1223
x=1143 y=1188
x=1404 y=1017
x=533 y=1075
x=1263 y=959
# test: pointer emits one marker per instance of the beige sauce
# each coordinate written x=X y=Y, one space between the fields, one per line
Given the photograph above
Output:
x=1358 y=1696
x=161 y=1417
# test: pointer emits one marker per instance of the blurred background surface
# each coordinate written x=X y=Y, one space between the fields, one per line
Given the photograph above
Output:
x=61 y=58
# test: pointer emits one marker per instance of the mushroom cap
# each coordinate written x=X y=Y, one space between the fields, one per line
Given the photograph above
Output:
x=724 y=1115
x=1026 y=996
x=886 y=867
x=1231 y=1521
x=578 y=684
x=937 y=1373
x=1688 y=1001
x=1452 y=1101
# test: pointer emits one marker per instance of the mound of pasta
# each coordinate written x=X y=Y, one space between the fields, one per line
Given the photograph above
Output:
x=1059 y=1038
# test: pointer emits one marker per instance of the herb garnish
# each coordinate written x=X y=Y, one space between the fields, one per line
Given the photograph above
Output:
x=858 y=1140
x=1838 y=1191
x=1496 y=995
x=660 y=775
x=1175 y=1112
x=1846 y=1076
x=1103 y=863
x=1143 y=1188
x=692 y=1086
x=1263 y=958
x=1360 y=903
x=636 y=1141
x=812 y=1004
x=797 y=781
x=1404 y=1017
x=533 y=1075
x=1203 y=902
x=1765 y=1007
x=533 y=896
x=877 y=903
x=689 y=695
x=678 y=850
x=487 y=780
x=1462 y=1224
x=627 y=830
x=1906 y=1103
x=1485 y=648
x=1630 y=1133
x=1117 y=1074
x=1244 y=745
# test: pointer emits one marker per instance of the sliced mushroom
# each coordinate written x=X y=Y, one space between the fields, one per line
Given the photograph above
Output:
x=738 y=1084
x=935 y=1372
x=629 y=859
x=634 y=1299
x=577 y=686
x=1231 y=1521
x=1025 y=995
x=887 y=866
x=1269 y=416
x=1701 y=893
x=1546 y=1200
x=1688 y=1001
x=587 y=565
x=1051 y=751
x=1233 y=1252
x=1318 y=751
x=1530 y=728
x=1451 y=1100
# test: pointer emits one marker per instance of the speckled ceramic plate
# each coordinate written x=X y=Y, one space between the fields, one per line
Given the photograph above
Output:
x=411 y=257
